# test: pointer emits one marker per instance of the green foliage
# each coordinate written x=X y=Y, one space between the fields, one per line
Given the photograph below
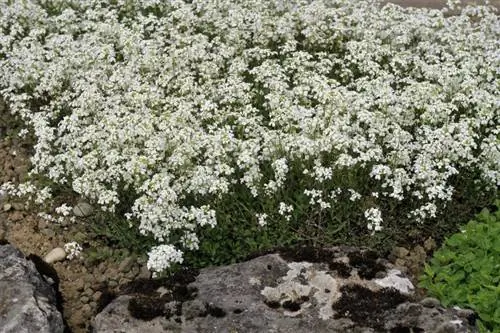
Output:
x=466 y=270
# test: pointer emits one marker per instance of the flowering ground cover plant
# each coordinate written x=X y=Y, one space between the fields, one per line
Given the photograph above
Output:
x=283 y=119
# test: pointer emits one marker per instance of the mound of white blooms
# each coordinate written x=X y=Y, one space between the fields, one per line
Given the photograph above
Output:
x=178 y=101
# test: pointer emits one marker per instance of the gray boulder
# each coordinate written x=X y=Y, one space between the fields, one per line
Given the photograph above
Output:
x=27 y=299
x=306 y=290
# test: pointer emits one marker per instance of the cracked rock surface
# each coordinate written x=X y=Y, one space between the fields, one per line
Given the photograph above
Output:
x=28 y=301
x=338 y=290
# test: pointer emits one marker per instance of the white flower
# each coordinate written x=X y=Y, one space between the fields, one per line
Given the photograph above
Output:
x=261 y=219
x=73 y=250
x=374 y=217
x=228 y=99
x=162 y=257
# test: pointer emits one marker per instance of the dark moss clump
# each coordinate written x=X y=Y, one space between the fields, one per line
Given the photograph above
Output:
x=366 y=307
x=272 y=304
x=343 y=270
x=306 y=253
x=149 y=286
x=215 y=311
x=366 y=264
x=146 y=307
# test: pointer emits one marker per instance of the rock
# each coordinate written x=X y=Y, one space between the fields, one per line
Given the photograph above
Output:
x=7 y=207
x=96 y=296
x=400 y=252
x=18 y=206
x=28 y=303
x=395 y=280
x=83 y=209
x=126 y=264
x=430 y=244
x=56 y=254
x=322 y=290
x=144 y=273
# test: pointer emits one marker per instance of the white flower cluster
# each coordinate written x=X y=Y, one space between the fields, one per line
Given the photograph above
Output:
x=161 y=257
x=374 y=217
x=186 y=99
x=72 y=249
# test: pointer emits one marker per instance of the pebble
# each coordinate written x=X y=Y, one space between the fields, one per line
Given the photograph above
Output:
x=132 y=273
x=126 y=264
x=86 y=309
x=112 y=283
x=7 y=207
x=3 y=232
x=400 y=252
x=42 y=224
x=84 y=299
x=56 y=254
x=88 y=291
x=144 y=273
x=82 y=209
x=18 y=206
x=79 y=284
x=96 y=296
x=429 y=244
x=124 y=280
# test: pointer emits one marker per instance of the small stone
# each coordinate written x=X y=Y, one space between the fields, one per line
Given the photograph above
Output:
x=101 y=278
x=126 y=264
x=419 y=252
x=82 y=209
x=96 y=296
x=18 y=206
x=144 y=273
x=102 y=267
x=56 y=254
x=93 y=305
x=84 y=299
x=401 y=264
x=112 y=283
x=79 y=237
x=88 y=291
x=42 y=224
x=112 y=272
x=78 y=284
x=7 y=207
x=86 y=309
x=430 y=302
x=132 y=273
x=429 y=244
x=400 y=252
x=124 y=280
